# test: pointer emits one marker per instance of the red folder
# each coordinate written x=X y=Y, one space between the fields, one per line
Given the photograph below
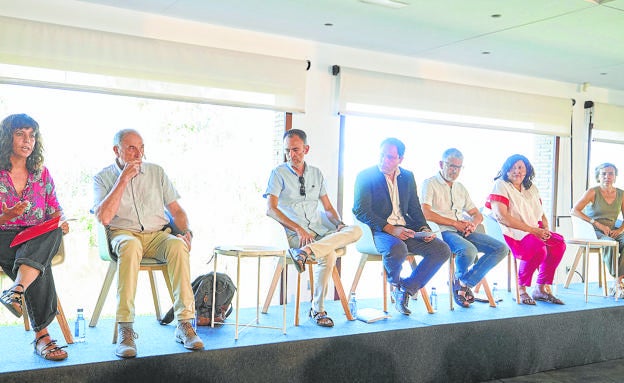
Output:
x=35 y=231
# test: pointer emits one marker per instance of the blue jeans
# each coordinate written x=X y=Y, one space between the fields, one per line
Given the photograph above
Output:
x=466 y=250
x=394 y=251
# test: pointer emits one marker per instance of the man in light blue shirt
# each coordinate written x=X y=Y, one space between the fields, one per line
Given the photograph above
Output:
x=293 y=194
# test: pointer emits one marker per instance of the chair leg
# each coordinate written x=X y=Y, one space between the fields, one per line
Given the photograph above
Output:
x=108 y=280
x=426 y=301
x=297 y=299
x=155 y=295
x=488 y=292
x=274 y=281
x=358 y=273
x=509 y=273
x=341 y=293
x=311 y=276
x=62 y=321
x=515 y=263
x=579 y=252
x=25 y=314
x=451 y=278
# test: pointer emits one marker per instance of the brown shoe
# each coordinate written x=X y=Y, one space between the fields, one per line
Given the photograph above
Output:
x=126 y=348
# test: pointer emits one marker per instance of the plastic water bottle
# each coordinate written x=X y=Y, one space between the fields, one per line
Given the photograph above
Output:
x=80 y=327
x=353 y=305
x=497 y=298
x=433 y=297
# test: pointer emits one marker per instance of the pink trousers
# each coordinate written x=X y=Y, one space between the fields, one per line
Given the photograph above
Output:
x=534 y=253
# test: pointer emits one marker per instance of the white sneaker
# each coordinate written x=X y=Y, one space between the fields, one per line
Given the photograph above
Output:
x=185 y=334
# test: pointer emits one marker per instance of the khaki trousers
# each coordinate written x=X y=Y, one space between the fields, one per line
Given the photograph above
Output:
x=130 y=248
x=324 y=252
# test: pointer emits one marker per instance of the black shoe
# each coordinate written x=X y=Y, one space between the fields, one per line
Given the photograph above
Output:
x=401 y=300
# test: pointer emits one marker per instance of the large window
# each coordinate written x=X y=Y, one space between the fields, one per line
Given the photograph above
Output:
x=484 y=153
x=219 y=159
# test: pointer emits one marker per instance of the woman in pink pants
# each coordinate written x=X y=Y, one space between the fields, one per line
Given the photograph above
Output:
x=517 y=206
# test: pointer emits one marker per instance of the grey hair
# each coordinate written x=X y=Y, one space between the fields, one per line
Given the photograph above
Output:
x=452 y=153
x=119 y=136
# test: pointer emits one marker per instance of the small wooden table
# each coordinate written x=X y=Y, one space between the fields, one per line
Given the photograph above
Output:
x=249 y=251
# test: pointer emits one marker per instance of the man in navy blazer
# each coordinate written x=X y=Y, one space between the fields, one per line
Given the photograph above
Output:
x=386 y=200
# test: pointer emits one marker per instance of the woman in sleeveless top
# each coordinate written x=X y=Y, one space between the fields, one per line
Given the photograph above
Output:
x=600 y=206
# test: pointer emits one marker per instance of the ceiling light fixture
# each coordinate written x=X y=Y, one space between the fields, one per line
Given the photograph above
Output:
x=387 y=3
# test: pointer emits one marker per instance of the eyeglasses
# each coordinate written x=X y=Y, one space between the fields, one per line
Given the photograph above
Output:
x=302 y=186
x=455 y=167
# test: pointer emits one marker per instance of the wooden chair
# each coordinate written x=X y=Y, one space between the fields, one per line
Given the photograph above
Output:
x=147 y=264
x=493 y=229
x=366 y=246
x=482 y=283
x=584 y=236
x=309 y=265
x=60 y=316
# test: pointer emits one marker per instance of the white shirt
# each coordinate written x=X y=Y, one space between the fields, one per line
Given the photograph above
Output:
x=525 y=205
x=448 y=201
x=395 y=218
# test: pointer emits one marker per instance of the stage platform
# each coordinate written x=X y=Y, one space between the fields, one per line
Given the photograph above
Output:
x=465 y=345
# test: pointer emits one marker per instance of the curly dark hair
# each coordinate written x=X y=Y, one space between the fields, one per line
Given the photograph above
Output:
x=509 y=163
x=9 y=125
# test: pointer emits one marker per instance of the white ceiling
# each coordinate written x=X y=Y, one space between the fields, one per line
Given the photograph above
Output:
x=575 y=41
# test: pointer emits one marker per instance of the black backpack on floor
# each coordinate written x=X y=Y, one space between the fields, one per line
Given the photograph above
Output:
x=202 y=290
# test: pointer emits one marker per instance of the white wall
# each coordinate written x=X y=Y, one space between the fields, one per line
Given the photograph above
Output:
x=319 y=120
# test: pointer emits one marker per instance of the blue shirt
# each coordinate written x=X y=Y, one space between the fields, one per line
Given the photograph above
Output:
x=303 y=210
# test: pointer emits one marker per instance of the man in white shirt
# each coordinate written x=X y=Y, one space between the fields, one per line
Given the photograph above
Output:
x=447 y=203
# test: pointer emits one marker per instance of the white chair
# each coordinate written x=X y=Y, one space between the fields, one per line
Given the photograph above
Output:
x=147 y=264
x=366 y=246
x=493 y=229
x=585 y=238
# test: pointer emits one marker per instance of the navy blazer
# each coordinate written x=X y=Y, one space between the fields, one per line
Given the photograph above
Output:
x=372 y=204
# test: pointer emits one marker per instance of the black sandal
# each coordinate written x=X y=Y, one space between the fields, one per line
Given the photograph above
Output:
x=299 y=259
x=44 y=350
x=321 y=318
x=460 y=299
x=12 y=300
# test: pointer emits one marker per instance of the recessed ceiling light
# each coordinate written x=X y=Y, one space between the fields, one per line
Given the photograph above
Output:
x=496 y=15
x=603 y=73
x=485 y=52
x=328 y=24
x=387 y=3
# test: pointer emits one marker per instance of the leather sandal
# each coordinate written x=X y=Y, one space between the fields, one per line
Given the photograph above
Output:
x=12 y=300
x=299 y=258
x=460 y=299
x=45 y=350
x=526 y=299
x=547 y=297
x=321 y=318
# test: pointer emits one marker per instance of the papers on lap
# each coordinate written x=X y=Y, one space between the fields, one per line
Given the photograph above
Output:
x=35 y=231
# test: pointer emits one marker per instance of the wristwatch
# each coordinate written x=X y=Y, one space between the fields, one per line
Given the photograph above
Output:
x=592 y=221
x=187 y=231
